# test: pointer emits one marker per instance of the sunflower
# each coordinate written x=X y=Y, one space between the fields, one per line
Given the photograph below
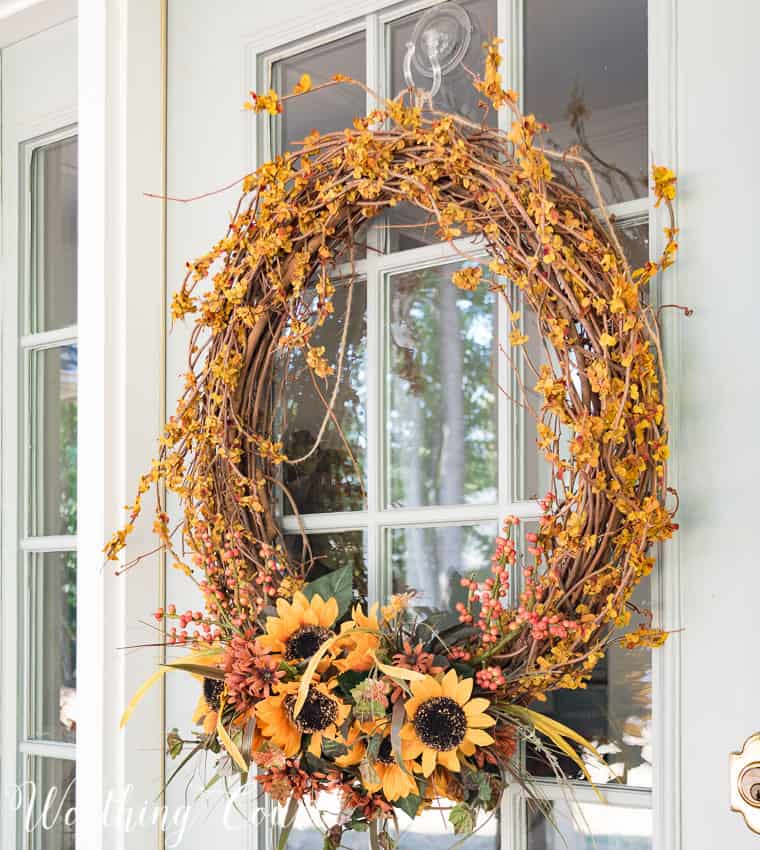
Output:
x=395 y=781
x=361 y=643
x=302 y=626
x=320 y=717
x=444 y=721
x=207 y=710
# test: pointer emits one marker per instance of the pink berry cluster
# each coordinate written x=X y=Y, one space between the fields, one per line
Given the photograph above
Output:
x=490 y=595
x=204 y=631
x=490 y=678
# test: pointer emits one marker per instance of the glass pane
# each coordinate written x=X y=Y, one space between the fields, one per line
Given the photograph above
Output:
x=51 y=610
x=441 y=401
x=314 y=819
x=432 y=560
x=52 y=441
x=54 y=236
x=534 y=473
x=409 y=226
x=614 y=712
x=457 y=94
x=332 y=477
x=333 y=108
x=432 y=831
x=590 y=826
x=331 y=551
x=586 y=76
x=51 y=826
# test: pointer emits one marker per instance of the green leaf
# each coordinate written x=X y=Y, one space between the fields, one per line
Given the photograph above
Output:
x=462 y=819
x=337 y=584
x=464 y=670
x=409 y=805
x=349 y=680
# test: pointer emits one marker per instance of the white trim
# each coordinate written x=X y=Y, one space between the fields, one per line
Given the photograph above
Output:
x=25 y=18
x=49 y=339
x=121 y=327
x=667 y=725
x=52 y=543
x=48 y=749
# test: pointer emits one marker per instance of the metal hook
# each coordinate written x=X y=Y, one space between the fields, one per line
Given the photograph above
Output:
x=438 y=44
x=435 y=66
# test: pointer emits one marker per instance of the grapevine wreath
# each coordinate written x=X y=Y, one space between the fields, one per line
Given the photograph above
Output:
x=390 y=709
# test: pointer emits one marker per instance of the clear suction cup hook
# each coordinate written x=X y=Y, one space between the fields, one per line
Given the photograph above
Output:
x=438 y=44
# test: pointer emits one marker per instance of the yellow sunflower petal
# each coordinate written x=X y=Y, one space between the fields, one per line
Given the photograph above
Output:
x=201 y=709
x=478 y=737
x=449 y=684
x=426 y=688
x=467 y=748
x=428 y=761
x=463 y=691
x=315 y=745
x=480 y=721
x=329 y=613
x=476 y=706
x=449 y=759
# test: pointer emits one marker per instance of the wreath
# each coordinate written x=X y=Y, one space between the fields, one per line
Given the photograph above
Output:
x=391 y=709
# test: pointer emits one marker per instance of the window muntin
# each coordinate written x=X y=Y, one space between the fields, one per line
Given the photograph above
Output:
x=390 y=531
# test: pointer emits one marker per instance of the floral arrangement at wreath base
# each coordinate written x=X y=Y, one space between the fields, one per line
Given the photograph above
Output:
x=387 y=708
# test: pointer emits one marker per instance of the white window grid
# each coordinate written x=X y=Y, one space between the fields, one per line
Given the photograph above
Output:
x=29 y=343
x=374 y=272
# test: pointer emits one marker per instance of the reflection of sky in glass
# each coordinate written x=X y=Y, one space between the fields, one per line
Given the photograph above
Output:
x=432 y=831
x=591 y=826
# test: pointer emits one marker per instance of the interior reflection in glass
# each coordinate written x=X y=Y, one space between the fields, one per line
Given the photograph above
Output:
x=441 y=416
x=591 y=88
x=331 y=478
x=614 y=712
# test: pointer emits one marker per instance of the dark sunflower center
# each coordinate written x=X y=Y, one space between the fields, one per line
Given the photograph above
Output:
x=305 y=642
x=440 y=723
x=318 y=711
x=212 y=691
x=385 y=753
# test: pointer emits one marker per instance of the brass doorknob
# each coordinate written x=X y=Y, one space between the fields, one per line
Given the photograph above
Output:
x=745 y=782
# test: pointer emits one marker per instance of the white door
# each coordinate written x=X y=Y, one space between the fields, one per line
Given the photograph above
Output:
x=39 y=439
x=588 y=69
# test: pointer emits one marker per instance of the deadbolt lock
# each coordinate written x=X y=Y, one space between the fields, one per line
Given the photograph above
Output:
x=745 y=782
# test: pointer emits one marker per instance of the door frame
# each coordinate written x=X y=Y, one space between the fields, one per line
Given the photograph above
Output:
x=122 y=56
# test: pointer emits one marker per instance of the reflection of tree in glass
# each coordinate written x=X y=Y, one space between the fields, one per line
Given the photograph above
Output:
x=330 y=479
x=442 y=417
x=417 y=562
x=66 y=401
